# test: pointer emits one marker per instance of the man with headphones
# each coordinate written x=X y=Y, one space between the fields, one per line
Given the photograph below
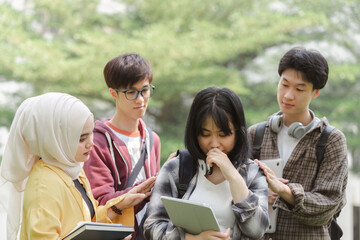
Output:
x=307 y=196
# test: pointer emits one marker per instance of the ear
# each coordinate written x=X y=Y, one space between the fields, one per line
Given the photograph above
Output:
x=316 y=93
x=113 y=93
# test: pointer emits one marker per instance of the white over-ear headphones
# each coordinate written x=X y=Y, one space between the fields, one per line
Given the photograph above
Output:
x=296 y=129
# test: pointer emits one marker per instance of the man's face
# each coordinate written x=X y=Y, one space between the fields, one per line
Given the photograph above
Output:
x=294 y=94
x=133 y=109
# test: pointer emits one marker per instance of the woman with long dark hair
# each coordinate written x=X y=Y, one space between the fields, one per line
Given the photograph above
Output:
x=236 y=190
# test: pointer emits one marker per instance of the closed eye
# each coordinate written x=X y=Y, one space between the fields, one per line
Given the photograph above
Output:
x=83 y=137
x=205 y=133
x=131 y=92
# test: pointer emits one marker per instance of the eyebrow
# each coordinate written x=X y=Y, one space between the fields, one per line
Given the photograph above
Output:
x=204 y=129
x=134 y=88
x=207 y=130
x=84 y=134
x=297 y=84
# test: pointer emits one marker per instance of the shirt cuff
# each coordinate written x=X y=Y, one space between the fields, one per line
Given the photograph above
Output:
x=247 y=207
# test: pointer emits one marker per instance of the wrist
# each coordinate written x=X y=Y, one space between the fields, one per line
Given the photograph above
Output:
x=287 y=195
x=235 y=177
x=281 y=189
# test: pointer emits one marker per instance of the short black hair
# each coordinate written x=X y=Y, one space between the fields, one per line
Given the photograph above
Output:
x=126 y=70
x=310 y=63
x=223 y=106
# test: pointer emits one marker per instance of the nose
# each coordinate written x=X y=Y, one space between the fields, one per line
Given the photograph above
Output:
x=214 y=142
x=289 y=94
x=90 y=143
x=139 y=98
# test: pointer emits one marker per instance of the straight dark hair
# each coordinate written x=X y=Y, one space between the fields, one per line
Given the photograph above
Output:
x=126 y=70
x=223 y=106
x=310 y=63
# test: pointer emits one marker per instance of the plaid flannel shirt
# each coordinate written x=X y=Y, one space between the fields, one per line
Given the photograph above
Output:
x=318 y=196
x=251 y=214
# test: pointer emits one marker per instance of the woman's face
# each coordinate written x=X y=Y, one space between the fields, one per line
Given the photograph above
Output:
x=85 y=141
x=212 y=137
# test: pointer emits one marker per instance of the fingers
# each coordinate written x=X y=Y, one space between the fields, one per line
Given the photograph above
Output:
x=149 y=181
x=131 y=199
x=144 y=186
x=283 y=180
x=128 y=237
x=137 y=197
x=265 y=168
x=262 y=165
x=137 y=194
x=172 y=155
x=272 y=198
x=148 y=194
x=227 y=232
x=216 y=156
x=211 y=234
x=223 y=235
x=148 y=184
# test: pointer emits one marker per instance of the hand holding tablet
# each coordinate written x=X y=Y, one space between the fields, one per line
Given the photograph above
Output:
x=193 y=217
x=273 y=167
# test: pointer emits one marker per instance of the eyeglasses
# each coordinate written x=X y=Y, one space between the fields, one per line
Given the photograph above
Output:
x=132 y=93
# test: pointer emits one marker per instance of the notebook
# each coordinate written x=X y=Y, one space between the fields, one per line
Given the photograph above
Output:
x=193 y=217
x=277 y=166
x=96 y=231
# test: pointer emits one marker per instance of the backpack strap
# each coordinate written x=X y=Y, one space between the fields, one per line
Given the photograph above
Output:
x=321 y=144
x=186 y=171
x=140 y=163
x=259 y=135
x=334 y=229
x=136 y=170
x=150 y=136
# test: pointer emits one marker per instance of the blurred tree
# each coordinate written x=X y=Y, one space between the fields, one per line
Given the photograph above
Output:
x=64 y=45
x=337 y=39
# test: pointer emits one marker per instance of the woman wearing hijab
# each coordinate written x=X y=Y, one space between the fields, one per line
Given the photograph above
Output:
x=49 y=140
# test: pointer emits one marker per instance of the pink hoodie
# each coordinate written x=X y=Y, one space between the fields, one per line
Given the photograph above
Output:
x=108 y=168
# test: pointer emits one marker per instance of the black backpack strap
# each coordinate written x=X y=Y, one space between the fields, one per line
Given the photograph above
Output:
x=259 y=135
x=186 y=171
x=321 y=144
x=335 y=231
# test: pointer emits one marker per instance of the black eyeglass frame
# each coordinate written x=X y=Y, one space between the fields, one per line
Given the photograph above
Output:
x=137 y=91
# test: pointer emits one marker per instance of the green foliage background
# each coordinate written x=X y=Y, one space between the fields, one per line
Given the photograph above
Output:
x=63 y=45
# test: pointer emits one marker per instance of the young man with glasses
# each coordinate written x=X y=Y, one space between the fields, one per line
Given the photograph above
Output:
x=125 y=151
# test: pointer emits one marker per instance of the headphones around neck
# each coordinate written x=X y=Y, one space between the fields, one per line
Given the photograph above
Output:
x=296 y=129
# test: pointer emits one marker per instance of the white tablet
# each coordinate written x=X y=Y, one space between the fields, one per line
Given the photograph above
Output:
x=277 y=166
x=193 y=217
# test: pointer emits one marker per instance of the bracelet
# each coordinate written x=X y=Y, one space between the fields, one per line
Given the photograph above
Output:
x=116 y=210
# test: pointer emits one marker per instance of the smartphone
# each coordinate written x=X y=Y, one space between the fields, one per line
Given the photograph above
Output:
x=209 y=169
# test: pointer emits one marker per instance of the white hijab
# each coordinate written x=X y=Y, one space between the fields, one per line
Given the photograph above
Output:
x=47 y=126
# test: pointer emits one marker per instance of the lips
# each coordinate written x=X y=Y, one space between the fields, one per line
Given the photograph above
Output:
x=139 y=108
x=287 y=105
